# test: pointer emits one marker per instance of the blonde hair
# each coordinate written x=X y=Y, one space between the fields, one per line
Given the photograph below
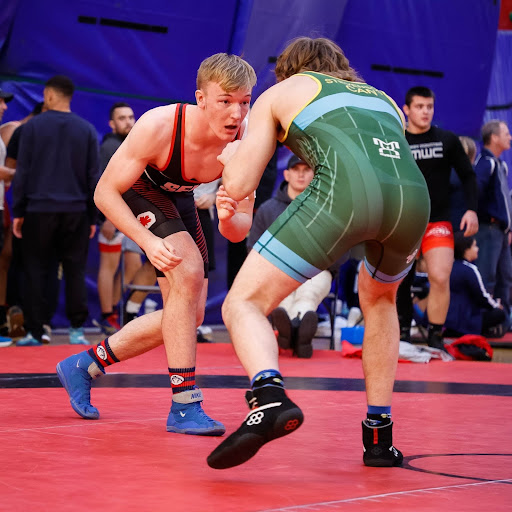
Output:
x=321 y=54
x=469 y=147
x=231 y=72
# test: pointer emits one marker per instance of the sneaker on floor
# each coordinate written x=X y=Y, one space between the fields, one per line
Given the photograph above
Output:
x=108 y=325
x=75 y=374
x=305 y=334
x=5 y=341
x=76 y=336
x=187 y=416
x=355 y=317
x=128 y=317
x=436 y=341
x=47 y=334
x=378 y=447
x=206 y=332
x=200 y=338
x=28 y=341
x=273 y=415
x=15 y=319
x=282 y=323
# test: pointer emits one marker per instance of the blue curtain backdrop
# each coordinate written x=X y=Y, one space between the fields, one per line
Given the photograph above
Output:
x=499 y=100
x=147 y=53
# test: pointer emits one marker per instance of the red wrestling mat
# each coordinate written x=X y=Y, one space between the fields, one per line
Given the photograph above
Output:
x=458 y=454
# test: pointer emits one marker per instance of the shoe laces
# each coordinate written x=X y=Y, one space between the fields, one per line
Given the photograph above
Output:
x=83 y=385
x=197 y=413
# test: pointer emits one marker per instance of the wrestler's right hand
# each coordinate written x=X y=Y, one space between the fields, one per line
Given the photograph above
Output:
x=226 y=207
x=162 y=254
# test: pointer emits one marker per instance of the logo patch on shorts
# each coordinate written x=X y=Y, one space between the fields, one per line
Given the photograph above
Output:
x=438 y=231
x=177 y=379
x=101 y=352
x=147 y=219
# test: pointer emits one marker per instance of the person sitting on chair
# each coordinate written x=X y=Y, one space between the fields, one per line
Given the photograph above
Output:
x=472 y=309
x=295 y=319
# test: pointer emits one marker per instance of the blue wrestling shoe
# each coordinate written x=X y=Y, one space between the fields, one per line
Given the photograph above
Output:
x=75 y=374
x=187 y=416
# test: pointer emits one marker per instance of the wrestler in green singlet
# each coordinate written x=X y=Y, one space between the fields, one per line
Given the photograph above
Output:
x=352 y=135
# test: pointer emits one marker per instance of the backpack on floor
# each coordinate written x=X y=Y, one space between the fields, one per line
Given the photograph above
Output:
x=470 y=347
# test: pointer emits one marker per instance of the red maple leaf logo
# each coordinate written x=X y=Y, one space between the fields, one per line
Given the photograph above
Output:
x=145 y=220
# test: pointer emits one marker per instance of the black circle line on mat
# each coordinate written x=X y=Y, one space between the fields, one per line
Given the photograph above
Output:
x=407 y=464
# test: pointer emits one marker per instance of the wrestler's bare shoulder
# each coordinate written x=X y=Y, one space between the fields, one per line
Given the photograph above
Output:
x=297 y=85
x=156 y=124
x=287 y=97
x=158 y=118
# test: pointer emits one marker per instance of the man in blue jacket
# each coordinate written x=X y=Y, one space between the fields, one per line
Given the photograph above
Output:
x=494 y=213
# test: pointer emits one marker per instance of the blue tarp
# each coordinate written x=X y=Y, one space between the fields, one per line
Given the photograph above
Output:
x=499 y=100
x=147 y=53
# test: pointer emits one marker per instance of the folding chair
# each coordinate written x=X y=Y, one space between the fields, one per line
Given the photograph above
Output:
x=130 y=287
x=329 y=303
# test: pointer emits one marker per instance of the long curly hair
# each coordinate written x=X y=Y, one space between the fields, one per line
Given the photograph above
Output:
x=320 y=54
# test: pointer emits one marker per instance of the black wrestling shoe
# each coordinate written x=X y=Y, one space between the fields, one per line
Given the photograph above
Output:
x=378 y=447
x=272 y=415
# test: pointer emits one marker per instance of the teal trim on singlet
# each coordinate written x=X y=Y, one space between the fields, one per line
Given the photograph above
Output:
x=385 y=278
x=284 y=258
x=332 y=102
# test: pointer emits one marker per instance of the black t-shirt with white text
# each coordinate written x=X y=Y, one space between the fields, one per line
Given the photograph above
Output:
x=437 y=152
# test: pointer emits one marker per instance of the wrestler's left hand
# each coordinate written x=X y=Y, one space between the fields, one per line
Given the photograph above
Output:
x=226 y=207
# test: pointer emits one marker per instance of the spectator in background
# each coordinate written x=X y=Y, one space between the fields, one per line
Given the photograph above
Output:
x=138 y=271
x=295 y=318
x=7 y=130
x=6 y=173
x=121 y=121
x=469 y=147
x=53 y=208
x=111 y=242
x=494 y=213
x=457 y=198
x=436 y=152
x=472 y=309
x=204 y=197
x=11 y=318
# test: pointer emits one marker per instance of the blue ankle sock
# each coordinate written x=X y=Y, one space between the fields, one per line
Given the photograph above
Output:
x=378 y=416
x=267 y=378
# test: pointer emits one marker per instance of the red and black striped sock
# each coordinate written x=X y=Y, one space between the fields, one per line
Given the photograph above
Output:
x=182 y=379
x=103 y=354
